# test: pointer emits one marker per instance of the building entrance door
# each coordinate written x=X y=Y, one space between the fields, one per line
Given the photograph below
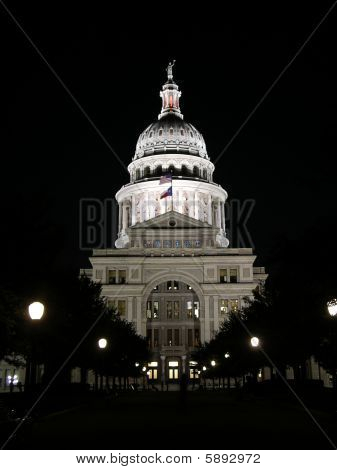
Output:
x=173 y=370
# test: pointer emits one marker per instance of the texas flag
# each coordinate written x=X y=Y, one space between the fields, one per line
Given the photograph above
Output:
x=166 y=193
x=166 y=179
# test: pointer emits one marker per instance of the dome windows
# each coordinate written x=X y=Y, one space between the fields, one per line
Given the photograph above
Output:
x=160 y=132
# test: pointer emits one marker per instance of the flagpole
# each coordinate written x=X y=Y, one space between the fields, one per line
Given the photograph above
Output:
x=172 y=191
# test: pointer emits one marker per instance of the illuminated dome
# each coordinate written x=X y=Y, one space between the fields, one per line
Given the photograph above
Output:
x=170 y=134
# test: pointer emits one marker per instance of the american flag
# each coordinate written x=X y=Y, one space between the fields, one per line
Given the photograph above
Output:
x=165 y=179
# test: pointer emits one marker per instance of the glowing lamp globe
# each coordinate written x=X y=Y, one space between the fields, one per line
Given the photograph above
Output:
x=36 y=310
x=212 y=363
x=102 y=343
x=227 y=355
x=204 y=368
x=332 y=307
x=255 y=342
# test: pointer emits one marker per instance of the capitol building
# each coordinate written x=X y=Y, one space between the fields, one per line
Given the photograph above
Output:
x=173 y=273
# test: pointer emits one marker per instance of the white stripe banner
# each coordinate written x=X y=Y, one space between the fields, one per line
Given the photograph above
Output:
x=196 y=459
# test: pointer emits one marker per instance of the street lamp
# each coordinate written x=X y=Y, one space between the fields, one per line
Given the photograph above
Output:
x=332 y=307
x=213 y=363
x=204 y=368
x=102 y=343
x=36 y=310
x=136 y=364
x=254 y=341
x=227 y=355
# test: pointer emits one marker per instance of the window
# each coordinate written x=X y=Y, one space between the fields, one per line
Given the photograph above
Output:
x=147 y=171
x=149 y=309
x=169 y=337
x=196 y=309
x=234 y=305
x=223 y=276
x=189 y=338
x=173 y=370
x=233 y=275
x=160 y=131
x=138 y=174
x=152 y=374
x=196 y=338
x=189 y=307
x=156 y=338
x=121 y=307
x=149 y=338
x=121 y=276
x=156 y=244
x=112 y=276
x=187 y=243
x=167 y=244
x=175 y=285
x=171 y=131
x=181 y=131
x=155 y=309
x=169 y=285
x=176 y=337
x=155 y=288
x=195 y=171
x=177 y=244
x=169 y=310
x=176 y=308
x=223 y=306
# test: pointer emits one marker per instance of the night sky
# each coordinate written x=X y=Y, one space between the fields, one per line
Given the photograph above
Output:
x=114 y=64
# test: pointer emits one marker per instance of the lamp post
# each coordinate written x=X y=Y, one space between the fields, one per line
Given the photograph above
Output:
x=35 y=313
x=102 y=344
x=332 y=309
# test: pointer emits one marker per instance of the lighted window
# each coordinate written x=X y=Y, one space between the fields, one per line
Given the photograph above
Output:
x=173 y=374
x=121 y=307
x=196 y=309
x=149 y=309
x=152 y=374
x=173 y=363
x=223 y=276
x=234 y=305
x=223 y=306
x=155 y=309
x=153 y=364
x=189 y=307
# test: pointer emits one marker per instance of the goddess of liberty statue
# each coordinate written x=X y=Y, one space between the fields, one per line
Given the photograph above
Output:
x=169 y=70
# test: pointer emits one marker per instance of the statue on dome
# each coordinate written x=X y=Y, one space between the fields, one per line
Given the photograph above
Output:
x=169 y=70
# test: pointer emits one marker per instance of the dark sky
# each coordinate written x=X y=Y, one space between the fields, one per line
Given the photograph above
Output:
x=114 y=64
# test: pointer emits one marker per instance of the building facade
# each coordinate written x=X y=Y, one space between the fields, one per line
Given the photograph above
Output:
x=172 y=272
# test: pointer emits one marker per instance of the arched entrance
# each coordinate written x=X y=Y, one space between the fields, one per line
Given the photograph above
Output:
x=172 y=328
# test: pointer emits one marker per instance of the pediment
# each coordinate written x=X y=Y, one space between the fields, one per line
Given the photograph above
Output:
x=171 y=219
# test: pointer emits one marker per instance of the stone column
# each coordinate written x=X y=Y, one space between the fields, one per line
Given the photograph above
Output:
x=125 y=216
x=196 y=205
x=223 y=216
x=216 y=312
x=120 y=212
x=183 y=364
x=207 y=325
x=129 y=309
x=209 y=215
x=133 y=209
x=163 y=372
x=139 y=317
x=219 y=214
